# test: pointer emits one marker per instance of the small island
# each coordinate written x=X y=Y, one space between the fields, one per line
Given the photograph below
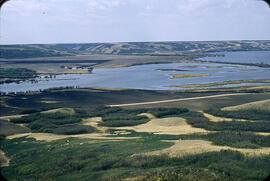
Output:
x=167 y=70
x=176 y=76
x=223 y=83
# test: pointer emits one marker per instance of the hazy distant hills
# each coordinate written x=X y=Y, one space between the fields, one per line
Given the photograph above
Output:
x=132 y=48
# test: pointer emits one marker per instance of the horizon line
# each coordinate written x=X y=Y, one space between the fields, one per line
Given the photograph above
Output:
x=115 y=42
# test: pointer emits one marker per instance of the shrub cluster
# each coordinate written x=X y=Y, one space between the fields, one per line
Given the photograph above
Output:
x=164 y=112
x=196 y=119
x=57 y=123
x=117 y=117
x=238 y=139
x=250 y=114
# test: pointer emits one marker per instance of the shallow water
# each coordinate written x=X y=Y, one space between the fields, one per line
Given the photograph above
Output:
x=146 y=77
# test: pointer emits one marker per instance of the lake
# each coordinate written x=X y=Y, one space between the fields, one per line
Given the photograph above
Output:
x=146 y=77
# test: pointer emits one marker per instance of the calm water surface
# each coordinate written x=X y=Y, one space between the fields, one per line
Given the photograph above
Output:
x=146 y=77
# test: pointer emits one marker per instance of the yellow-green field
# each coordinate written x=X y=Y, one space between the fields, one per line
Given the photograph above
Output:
x=177 y=76
x=258 y=105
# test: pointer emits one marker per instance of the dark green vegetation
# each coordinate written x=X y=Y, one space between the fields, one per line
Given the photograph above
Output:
x=10 y=74
x=7 y=128
x=57 y=123
x=235 y=139
x=251 y=114
x=238 y=139
x=17 y=73
x=128 y=120
x=196 y=119
x=79 y=159
x=117 y=117
x=62 y=123
x=86 y=99
x=167 y=112
x=29 y=51
x=133 y=48
x=234 y=133
x=83 y=99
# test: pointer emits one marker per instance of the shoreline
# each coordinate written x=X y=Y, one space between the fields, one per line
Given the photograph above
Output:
x=222 y=83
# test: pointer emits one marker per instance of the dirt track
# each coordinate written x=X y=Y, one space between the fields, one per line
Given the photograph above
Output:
x=175 y=100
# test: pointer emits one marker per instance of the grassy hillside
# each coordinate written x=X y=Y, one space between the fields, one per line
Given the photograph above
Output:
x=258 y=105
x=32 y=51
x=132 y=48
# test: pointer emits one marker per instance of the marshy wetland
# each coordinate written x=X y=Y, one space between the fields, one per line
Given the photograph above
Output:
x=166 y=119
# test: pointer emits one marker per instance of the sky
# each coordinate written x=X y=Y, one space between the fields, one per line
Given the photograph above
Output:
x=87 y=21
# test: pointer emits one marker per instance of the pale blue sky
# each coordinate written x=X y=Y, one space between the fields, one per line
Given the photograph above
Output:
x=84 y=21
